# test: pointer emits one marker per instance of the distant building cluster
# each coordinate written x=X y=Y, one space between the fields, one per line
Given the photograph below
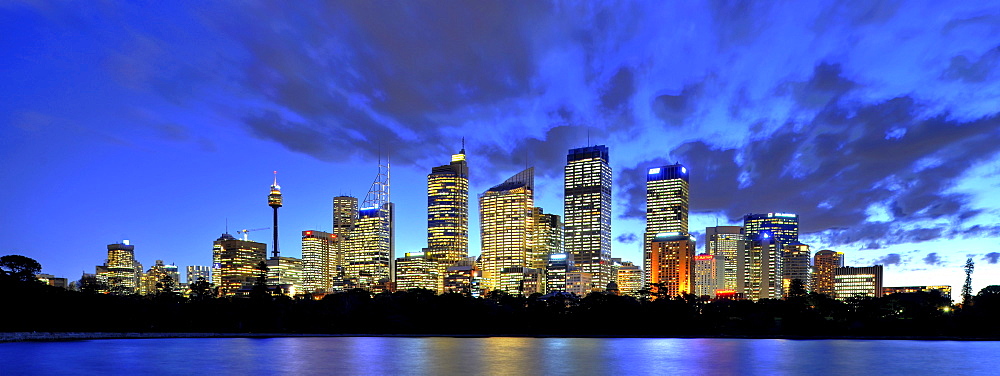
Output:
x=524 y=250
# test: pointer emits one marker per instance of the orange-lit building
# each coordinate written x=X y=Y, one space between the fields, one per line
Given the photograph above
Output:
x=825 y=264
x=670 y=263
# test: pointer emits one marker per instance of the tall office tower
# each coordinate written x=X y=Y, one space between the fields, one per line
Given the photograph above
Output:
x=555 y=272
x=629 y=279
x=198 y=271
x=448 y=211
x=850 y=281
x=760 y=268
x=709 y=274
x=415 y=271
x=825 y=264
x=546 y=238
x=666 y=212
x=795 y=265
x=726 y=241
x=274 y=201
x=284 y=275
x=783 y=227
x=345 y=218
x=505 y=224
x=371 y=242
x=123 y=271
x=156 y=274
x=670 y=263
x=588 y=211
x=320 y=261
x=234 y=263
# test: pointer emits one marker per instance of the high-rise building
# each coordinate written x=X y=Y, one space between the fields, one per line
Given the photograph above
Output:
x=284 y=275
x=667 y=192
x=726 y=241
x=505 y=217
x=587 y=209
x=371 y=240
x=709 y=274
x=448 y=211
x=416 y=271
x=546 y=238
x=670 y=263
x=555 y=272
x=850 y=281
x=198 y=271
x=235 y=263
x=630 y=278
x=274 y=201
x=321 y=263
x=345 y=218
x=795 y=265
x=825 y=263
x=579 y=282
x=463 y=278
x=782 y=227
x=760 y=268
x=122 y=272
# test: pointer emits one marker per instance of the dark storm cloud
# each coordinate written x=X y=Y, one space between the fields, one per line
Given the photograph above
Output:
x=889 y=259
x=825 y=86
x=627 y=238
x=992 y=257
x=674 y=109
x=933 y=259
x=619 y=89
x=977 y=70
x=832 y=169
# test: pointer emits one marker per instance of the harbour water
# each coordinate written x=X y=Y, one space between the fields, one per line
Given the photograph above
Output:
x=498 y=356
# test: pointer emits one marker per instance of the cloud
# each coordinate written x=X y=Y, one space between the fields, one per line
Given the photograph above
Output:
x=889 y=259
x=992 y=257
x=627 y=238
x=933 y=259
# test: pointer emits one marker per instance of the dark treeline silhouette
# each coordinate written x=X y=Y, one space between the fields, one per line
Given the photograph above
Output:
x=29 y=305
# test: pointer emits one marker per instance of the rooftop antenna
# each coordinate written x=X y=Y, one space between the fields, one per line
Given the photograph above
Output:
x=588 y=136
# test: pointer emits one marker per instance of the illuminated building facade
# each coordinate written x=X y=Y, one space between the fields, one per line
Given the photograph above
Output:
x=782 y=227
x=156 y=274
x=463 y=278
x=122 y=272
x=728 y=242
x=825 y=264
x=670 y=263
x=448 y=211
x=945 y=290
x=369 y=252
x=284 y=275
x=416 y=271
x=667 y=196
x=850 y=281
x=51 y=280
x=629 y=279
x=579 y=282
x=760 y=268
x=505 y=215
x=321 y=263
x=709 y=274
x=193 y=272
x=345 y=218
x=555 y=272
x=587 y=208
x=234 y=263
x=545 y=239
x=795 y=260
x=522 y=280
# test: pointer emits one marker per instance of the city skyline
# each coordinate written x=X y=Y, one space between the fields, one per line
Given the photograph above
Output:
x=885 y=145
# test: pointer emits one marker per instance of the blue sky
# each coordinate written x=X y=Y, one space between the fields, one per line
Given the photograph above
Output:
x=876 y=122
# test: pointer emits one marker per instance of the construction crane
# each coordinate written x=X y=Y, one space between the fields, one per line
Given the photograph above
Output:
x=245 y=231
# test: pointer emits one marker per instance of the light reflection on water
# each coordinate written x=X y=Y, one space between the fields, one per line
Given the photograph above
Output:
x=498 y=356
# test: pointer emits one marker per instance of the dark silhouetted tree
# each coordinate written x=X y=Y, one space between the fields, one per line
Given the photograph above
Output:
x=967 y=287
x=19 y=268
x=797 y=289
x=259 y=290
x=203 y=290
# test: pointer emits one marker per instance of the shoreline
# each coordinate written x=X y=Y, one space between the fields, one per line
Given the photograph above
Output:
x=80 y=336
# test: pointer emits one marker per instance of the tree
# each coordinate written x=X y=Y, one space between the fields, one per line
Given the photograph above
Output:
x=797 y=289
x=19 y=268
x=967 y=288
x=202 y=290
x=259 y=290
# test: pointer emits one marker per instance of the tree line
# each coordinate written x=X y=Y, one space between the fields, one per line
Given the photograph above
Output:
x=29 y=305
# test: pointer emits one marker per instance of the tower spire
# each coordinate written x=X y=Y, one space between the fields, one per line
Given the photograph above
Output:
x=274 y=201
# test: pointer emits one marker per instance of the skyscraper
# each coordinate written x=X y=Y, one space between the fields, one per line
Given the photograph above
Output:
x=670 y=263
x=761 y=264
x=850 y=281
x=274 y=201
x=198 y=271
x=783 y=227
x=709 y=274
x=795 y=265
x=505 y=217
x=320 y=261
x=415 y=271
x=123 y=272
x=155 y=275
x=546 y=238
x=284 y=275
x=345 y=218
x=726 y=241
x=370 y=242
x=825 y=264
x=234 y=263
x=556 y=271
x=448 y=211
x=588 y=211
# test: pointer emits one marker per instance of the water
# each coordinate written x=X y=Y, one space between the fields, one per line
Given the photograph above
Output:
x=498 y=356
